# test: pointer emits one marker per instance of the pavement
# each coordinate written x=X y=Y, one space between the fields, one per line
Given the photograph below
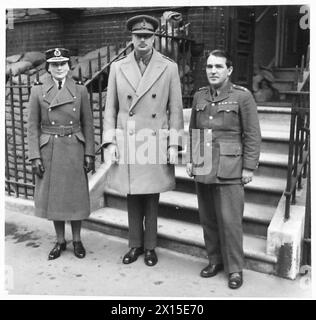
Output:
x=29 y=239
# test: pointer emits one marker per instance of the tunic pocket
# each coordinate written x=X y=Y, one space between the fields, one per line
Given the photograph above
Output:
x=230 y=114
x=230 y=160
x=79 y=135
x=44 y=138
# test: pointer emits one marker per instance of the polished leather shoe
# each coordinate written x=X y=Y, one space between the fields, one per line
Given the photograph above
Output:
x=235 y=280
x=132 y=255
x=56 y=251
x=211 y=270
x=150 y=258
x=79 y=250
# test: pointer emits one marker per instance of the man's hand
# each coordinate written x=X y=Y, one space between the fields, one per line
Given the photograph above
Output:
x=89 y=163
x=113 y=151
x=38 y=168
x=189 y=169
x=246 y=176
x=173 y=155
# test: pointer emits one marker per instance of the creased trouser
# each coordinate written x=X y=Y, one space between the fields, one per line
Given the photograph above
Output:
x=221 y=210
x=142 y=220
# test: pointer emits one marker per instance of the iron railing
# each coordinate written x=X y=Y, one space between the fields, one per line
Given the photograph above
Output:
x=19 y=180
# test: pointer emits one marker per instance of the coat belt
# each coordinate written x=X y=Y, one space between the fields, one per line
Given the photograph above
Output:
x=61 y=130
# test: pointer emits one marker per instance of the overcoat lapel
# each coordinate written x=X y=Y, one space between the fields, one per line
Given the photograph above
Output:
x=131 y=71
x=65 y=95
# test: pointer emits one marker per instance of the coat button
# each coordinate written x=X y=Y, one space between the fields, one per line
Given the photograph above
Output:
x=213 y=104
x=208 y=144
x=154 y=133
x=131 y=132
x=49 y=110
x=74 y=109
x=210 y=117
x=53 y=122
x=154 y=95
x=129 y=96
x=154 y=115
x=131 y=113
x=75 y=97
x=56 y=136
x=69 y=136
x=209 y=131
x=70 y=122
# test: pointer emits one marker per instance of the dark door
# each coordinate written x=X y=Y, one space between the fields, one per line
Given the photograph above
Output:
x=241 y=44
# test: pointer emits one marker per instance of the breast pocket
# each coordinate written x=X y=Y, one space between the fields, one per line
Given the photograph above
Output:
x=229 y=114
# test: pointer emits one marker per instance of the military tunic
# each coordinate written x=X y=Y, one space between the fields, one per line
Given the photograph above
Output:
x=62 y=193
x=227 y=142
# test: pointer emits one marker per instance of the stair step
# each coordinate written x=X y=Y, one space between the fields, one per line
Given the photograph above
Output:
x=181 y=236
x=285 y=73
x=283 y=84
x=182 y=206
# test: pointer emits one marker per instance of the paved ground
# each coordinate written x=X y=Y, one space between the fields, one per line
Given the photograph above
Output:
x=28 y=272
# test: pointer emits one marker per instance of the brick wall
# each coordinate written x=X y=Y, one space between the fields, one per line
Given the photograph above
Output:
x=96 y=27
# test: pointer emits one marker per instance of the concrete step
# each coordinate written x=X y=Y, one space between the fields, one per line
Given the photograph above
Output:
x=182 y=206
x=274 y=118
x=181 y=236
x=261 y=190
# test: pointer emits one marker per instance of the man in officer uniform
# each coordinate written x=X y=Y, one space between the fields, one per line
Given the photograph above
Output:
x=143 y=97
x=226 y=114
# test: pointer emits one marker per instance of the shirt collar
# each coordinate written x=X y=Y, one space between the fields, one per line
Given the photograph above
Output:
x=62 y=81
x=146 y=58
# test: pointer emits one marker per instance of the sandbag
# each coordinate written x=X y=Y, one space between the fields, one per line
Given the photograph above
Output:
x=13 y=59
x=35 y=57
x=18 y=67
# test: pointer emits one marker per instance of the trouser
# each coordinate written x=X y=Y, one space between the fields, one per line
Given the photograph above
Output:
x=221 y=210
x=142 y=220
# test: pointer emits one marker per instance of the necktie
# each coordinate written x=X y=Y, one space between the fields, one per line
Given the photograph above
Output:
x=142 y=66
x=59 y=85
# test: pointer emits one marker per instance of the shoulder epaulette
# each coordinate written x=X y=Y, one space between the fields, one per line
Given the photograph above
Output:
x=167 y=58
x=202 y=88
x=235 y=86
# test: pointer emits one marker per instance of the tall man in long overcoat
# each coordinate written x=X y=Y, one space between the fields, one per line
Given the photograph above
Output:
x=224 y=152
x=61 y=149
x=142 y=121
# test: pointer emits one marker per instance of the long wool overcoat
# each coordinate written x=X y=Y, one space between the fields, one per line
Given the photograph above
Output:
x=143 y=117
x=62 y=193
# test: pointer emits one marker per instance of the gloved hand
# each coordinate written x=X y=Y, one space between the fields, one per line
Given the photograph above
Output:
x=38 y=168
x=89 y=163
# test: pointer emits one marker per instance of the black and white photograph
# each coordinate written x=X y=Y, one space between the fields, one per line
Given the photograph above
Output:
x=157 y=150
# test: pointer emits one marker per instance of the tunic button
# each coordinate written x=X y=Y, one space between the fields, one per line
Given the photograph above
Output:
x=154 y=115
x=208 y=144
x=69 y=136
x=131 y=113
x=56 y=136
x=129 y=96
x=74 y=109
x=70 y=122
x=53 y=122
x=154 y=95
x=213 y=104
x=210 y=117
x=131 y=132
x=49 y=110
x=74 y=97
x=209 y=130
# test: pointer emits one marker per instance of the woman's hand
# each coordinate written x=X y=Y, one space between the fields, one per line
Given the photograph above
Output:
x=38 y=168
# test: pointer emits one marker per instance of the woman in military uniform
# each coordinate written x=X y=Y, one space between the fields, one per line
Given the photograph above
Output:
x=224 y=151
x=61 y=149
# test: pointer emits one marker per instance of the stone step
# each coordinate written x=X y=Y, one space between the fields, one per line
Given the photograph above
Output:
x=262 y=189
x=274 y=118
x=182 y=206
x=181 y=236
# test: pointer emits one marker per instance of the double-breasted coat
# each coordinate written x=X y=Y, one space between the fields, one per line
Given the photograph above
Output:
x=62 y=193
x=143 y=117
x=225 y=135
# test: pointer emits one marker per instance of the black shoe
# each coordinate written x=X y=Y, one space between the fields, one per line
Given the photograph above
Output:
x=132 y=255
x=211 y=270
x=235 y=280
x=150 y=257
x=79 y=250
x=56 y=251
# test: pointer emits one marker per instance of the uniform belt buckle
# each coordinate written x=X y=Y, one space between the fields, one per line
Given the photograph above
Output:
x=62 y=133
